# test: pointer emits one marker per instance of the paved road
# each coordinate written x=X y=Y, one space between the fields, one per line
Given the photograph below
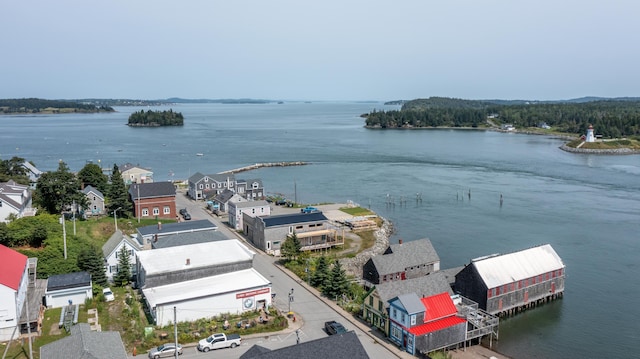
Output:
x=311 y=311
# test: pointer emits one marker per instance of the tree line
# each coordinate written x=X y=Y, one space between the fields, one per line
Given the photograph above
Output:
x=610 y=118
x=156 y=118
x=36 y=105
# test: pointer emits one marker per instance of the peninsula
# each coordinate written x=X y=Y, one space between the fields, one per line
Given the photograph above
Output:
x=41 y=106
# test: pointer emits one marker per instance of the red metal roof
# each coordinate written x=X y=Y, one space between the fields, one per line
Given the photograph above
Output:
x=436 y=325
x=438 y=306
x=12 y=265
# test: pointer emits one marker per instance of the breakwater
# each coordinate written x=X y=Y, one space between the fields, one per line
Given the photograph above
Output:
x=261 y=165
x=608 y=151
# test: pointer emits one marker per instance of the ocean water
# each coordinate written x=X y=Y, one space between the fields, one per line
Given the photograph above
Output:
x=586 y=206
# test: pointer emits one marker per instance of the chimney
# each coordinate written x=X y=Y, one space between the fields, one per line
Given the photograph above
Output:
x=400 y=241
x=155 y=238
x=188 y=261
x=159 y=226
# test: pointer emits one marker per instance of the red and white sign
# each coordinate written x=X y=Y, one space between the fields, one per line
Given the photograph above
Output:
x=253 y=293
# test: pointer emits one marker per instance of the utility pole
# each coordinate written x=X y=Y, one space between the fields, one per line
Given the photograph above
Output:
x=64 y=235
x=115 y=219
x=138 y=186
x=175 y=330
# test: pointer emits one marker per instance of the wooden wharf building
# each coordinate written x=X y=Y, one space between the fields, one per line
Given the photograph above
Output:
x=508 y=283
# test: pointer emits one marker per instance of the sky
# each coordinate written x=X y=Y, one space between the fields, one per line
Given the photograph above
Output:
x=320 y=50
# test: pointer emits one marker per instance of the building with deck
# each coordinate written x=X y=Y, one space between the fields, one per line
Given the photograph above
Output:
x=313 y=230
x=503 y=284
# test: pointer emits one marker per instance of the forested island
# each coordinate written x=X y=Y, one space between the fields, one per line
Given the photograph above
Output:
x=613 y=118
x=156 y=118
x=41 y=106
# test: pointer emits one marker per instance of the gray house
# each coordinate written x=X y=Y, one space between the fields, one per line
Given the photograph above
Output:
x=342 y=346
x=85 y=343
x=95 y=199
x=148 y=235
x=312 y=229
x=208 y=186
x=402 y=261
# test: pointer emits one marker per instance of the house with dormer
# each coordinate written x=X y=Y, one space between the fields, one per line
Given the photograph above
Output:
x=15 y=200
x=153 y=200
x=404 y=260
x=422 y=325
x=376 y=302
x=206 y=187
x=237 y=209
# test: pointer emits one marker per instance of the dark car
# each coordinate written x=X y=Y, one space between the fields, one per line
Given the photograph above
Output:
x=186 y=216
x=332 y=327
x=183 y=211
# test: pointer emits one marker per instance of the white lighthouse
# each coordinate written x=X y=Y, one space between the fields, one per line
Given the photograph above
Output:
x=590 y=136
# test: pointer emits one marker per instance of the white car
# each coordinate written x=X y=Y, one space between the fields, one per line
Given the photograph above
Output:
x=108 y=294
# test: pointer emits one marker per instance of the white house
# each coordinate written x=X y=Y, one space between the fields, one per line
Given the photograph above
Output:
x=112 y=249
x=135 y=174
x=15 y=199
x=13 y=291
x=250 y=208
x=70 y=288
x=201 y=280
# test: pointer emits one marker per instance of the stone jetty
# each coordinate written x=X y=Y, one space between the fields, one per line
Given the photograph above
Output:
x=261 y=165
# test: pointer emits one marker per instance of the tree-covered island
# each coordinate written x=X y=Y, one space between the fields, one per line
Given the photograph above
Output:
x=156 y=118
x=41 y=106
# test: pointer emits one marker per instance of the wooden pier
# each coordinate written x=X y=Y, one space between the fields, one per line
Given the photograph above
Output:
x=261 y=165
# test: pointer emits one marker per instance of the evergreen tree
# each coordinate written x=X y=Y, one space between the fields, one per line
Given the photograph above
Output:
x=90 y=260
x=117 y=194
x=321 y=273
x=124 y=267
x=291 y=247
x=91 y=174
x=336 y=283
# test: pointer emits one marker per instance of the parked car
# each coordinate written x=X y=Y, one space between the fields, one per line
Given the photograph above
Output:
x=165 y=350
x=183 y=211
x=332 y=327
x=108 y=294
x=186 y=216
x=218 y=341
x=309 y=209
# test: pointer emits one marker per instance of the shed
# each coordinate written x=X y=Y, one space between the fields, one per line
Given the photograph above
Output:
x=70 y=288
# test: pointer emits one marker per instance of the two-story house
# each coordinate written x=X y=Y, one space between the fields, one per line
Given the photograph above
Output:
x=401 y=261
x=153 y=200
x=15 y=199
x=208 y=186
x=236 y=209
x=422 y=325
x=95 y=199
x=502 y=283
x=111 y=251
x=135 y=174
x=376 y=303
x=148 y=236
x=313 y=230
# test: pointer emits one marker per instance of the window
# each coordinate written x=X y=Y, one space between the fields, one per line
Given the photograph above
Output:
x=380 y=306
x=489 y=293
x=145 y=212
x=268 y=244
x=261 y=209
x=207 y=186
x=253 y=211
x=290 y=229
x=371 y=300
x=219 y=185
x=201 y=186
x=395 y=313
x=156 y=211
x=413 y=320
x=167 y=210
x=300 y=227
x=403 y=318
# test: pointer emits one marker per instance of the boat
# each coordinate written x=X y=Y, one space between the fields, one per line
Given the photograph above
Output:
x=199 y=154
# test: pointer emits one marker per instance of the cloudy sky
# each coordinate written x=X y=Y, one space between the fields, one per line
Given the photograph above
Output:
x=320 y=50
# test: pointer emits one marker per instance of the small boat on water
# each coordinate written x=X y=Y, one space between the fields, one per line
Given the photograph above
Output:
x=199 y=154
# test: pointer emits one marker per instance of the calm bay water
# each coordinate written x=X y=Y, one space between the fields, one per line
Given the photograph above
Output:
x=587 y=207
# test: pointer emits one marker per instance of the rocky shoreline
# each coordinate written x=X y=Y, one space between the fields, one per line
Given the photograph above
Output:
x=609 y=151
x=353 y=266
